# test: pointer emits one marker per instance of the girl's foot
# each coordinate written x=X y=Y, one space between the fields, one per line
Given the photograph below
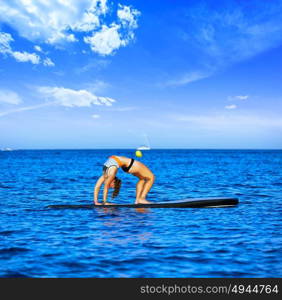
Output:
x=142 y=201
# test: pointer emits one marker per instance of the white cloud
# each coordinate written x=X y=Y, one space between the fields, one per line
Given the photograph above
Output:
x=111 y=38
x=221 y=37
x=6 y=49
x=232 y=106
x=5 y=40
x=73 y=98
x=56 y=96
x=95 y=116
x=232 y=35
x=106 y=41
x=59 y=21
x=186 y=78
x=9 y=97
x=124 y=109
x=25 y=108
x=97 y=64
x=234 y=98
x=242 y=97
x=97 y=86
x=48 y=62
x=230 y=121
x=38 y=48
x=50 y=21
x=26 y=57
x=89 y=22
x=128 y=16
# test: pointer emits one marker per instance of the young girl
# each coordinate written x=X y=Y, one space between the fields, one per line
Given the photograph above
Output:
x=128 y=165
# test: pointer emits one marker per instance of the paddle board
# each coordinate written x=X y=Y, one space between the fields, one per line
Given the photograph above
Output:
x=193 y=202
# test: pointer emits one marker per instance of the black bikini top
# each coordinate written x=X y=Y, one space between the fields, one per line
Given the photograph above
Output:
x=126 y=169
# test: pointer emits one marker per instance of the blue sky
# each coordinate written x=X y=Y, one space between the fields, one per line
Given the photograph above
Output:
x=101 y=74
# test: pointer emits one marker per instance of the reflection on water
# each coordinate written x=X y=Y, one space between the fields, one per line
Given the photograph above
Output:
x=142 y=210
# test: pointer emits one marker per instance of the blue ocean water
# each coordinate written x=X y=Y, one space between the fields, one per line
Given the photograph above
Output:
x=241 y=241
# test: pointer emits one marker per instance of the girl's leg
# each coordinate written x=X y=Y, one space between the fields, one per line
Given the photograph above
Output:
x=148 y=184
x=139 y=188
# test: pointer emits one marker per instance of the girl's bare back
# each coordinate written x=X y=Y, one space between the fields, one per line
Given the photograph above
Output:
x=138 y=169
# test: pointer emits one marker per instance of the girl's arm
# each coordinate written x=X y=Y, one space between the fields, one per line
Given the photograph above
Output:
x=111 y=175
x=97 y=189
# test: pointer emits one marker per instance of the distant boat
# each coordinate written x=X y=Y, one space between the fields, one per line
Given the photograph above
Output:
x=7 y=149
x=145 y=147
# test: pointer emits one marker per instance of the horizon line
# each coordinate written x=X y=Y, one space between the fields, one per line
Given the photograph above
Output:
x=134 y=149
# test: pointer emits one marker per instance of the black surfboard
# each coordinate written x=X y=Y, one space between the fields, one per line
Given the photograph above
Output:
x=193 y=202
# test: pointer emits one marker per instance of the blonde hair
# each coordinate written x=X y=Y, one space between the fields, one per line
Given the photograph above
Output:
x=116 y=187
